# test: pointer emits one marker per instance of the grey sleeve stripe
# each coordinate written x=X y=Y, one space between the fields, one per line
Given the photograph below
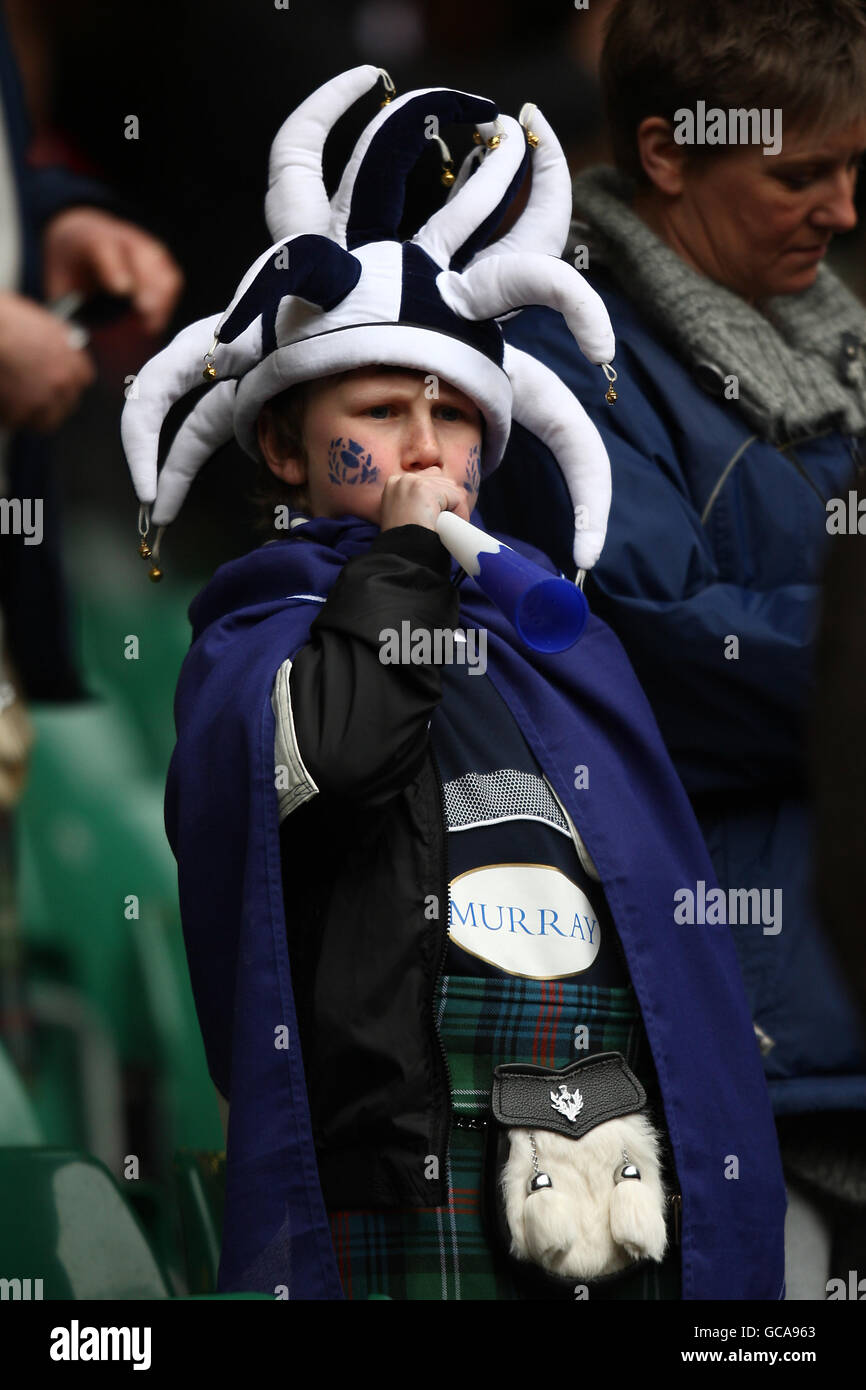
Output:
x=295 y=786
x=583 y=853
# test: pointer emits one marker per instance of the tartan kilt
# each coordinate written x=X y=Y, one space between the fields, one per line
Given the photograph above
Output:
x=444 y=1252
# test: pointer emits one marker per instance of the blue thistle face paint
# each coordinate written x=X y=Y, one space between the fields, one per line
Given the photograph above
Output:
x=349 y=462
x=473 y=470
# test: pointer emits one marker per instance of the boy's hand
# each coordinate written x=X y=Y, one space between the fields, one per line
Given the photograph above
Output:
x=418 y=498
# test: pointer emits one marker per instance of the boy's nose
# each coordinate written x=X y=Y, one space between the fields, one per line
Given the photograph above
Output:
x=422 y=447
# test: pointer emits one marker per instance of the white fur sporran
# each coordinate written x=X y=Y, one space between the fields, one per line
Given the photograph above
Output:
x=595 y=1217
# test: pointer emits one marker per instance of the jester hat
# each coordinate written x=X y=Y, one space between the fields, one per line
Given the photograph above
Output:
x=337 y=291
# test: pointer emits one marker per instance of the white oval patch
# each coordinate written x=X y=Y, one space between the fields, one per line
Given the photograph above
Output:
x=527 y=919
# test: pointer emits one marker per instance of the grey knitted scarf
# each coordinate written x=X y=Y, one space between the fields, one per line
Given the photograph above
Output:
x=800 y=363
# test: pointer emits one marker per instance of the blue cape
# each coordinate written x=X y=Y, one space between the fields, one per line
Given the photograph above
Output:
x=580 y=707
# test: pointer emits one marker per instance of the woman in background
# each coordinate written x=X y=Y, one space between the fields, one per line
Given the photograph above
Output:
x=740 y=415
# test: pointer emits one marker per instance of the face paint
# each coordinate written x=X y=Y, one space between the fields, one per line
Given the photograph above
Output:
x=348 y=463
x=473 y=470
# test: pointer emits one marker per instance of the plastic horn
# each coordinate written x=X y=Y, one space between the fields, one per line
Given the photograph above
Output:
x=548 y=613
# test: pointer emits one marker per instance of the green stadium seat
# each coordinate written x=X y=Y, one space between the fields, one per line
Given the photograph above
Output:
x=68 y=1231
x=18 y=1122
x=200 y=1187
x=65 y=1221
x=144 y=686
x=92 y=854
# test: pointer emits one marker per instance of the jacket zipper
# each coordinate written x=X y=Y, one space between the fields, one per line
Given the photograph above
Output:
x=444 y=898
x=780 y=449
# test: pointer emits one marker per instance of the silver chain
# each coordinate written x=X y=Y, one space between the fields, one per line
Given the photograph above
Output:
x=534 y=1154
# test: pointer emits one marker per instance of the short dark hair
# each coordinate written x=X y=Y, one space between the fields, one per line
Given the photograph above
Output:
x=286 y=412
x=805 y=57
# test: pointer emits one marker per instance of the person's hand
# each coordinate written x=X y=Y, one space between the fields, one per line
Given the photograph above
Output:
x=587 y=1224
x=418 y=498
x=42 y=374
x=86 y=249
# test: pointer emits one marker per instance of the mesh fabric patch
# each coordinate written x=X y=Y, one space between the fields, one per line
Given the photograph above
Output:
x=477 y=799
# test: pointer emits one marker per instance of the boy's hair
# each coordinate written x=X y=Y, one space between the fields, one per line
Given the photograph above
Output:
x=286 y=412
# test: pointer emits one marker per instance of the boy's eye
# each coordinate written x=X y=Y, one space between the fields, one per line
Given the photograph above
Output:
x=379 y=412
x=449 y=412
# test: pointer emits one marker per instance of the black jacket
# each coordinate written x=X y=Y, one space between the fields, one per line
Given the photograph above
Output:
x=365 y=880
x=370 y=966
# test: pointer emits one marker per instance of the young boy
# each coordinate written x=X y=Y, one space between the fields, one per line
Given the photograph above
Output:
x=355 y=734
x=398 y=875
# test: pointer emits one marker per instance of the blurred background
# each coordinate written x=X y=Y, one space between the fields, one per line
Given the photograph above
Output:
x=107 y=1116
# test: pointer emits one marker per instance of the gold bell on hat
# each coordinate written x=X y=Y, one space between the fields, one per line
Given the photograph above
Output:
x=390 y=89
x=143 y=528
x=209 y=372
x=609 y=395
x=447 y=175
x=526 y=113
x=144 y=550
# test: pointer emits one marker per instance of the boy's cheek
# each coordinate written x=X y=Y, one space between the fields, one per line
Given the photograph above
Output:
x=472 y=474
x=351 y=463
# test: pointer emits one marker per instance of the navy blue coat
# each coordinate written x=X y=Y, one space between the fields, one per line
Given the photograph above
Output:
x=330 y=586
x=32 y=591
x=675 y=584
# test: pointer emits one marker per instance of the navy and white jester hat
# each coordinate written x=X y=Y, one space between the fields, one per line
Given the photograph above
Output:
x=336 y=291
